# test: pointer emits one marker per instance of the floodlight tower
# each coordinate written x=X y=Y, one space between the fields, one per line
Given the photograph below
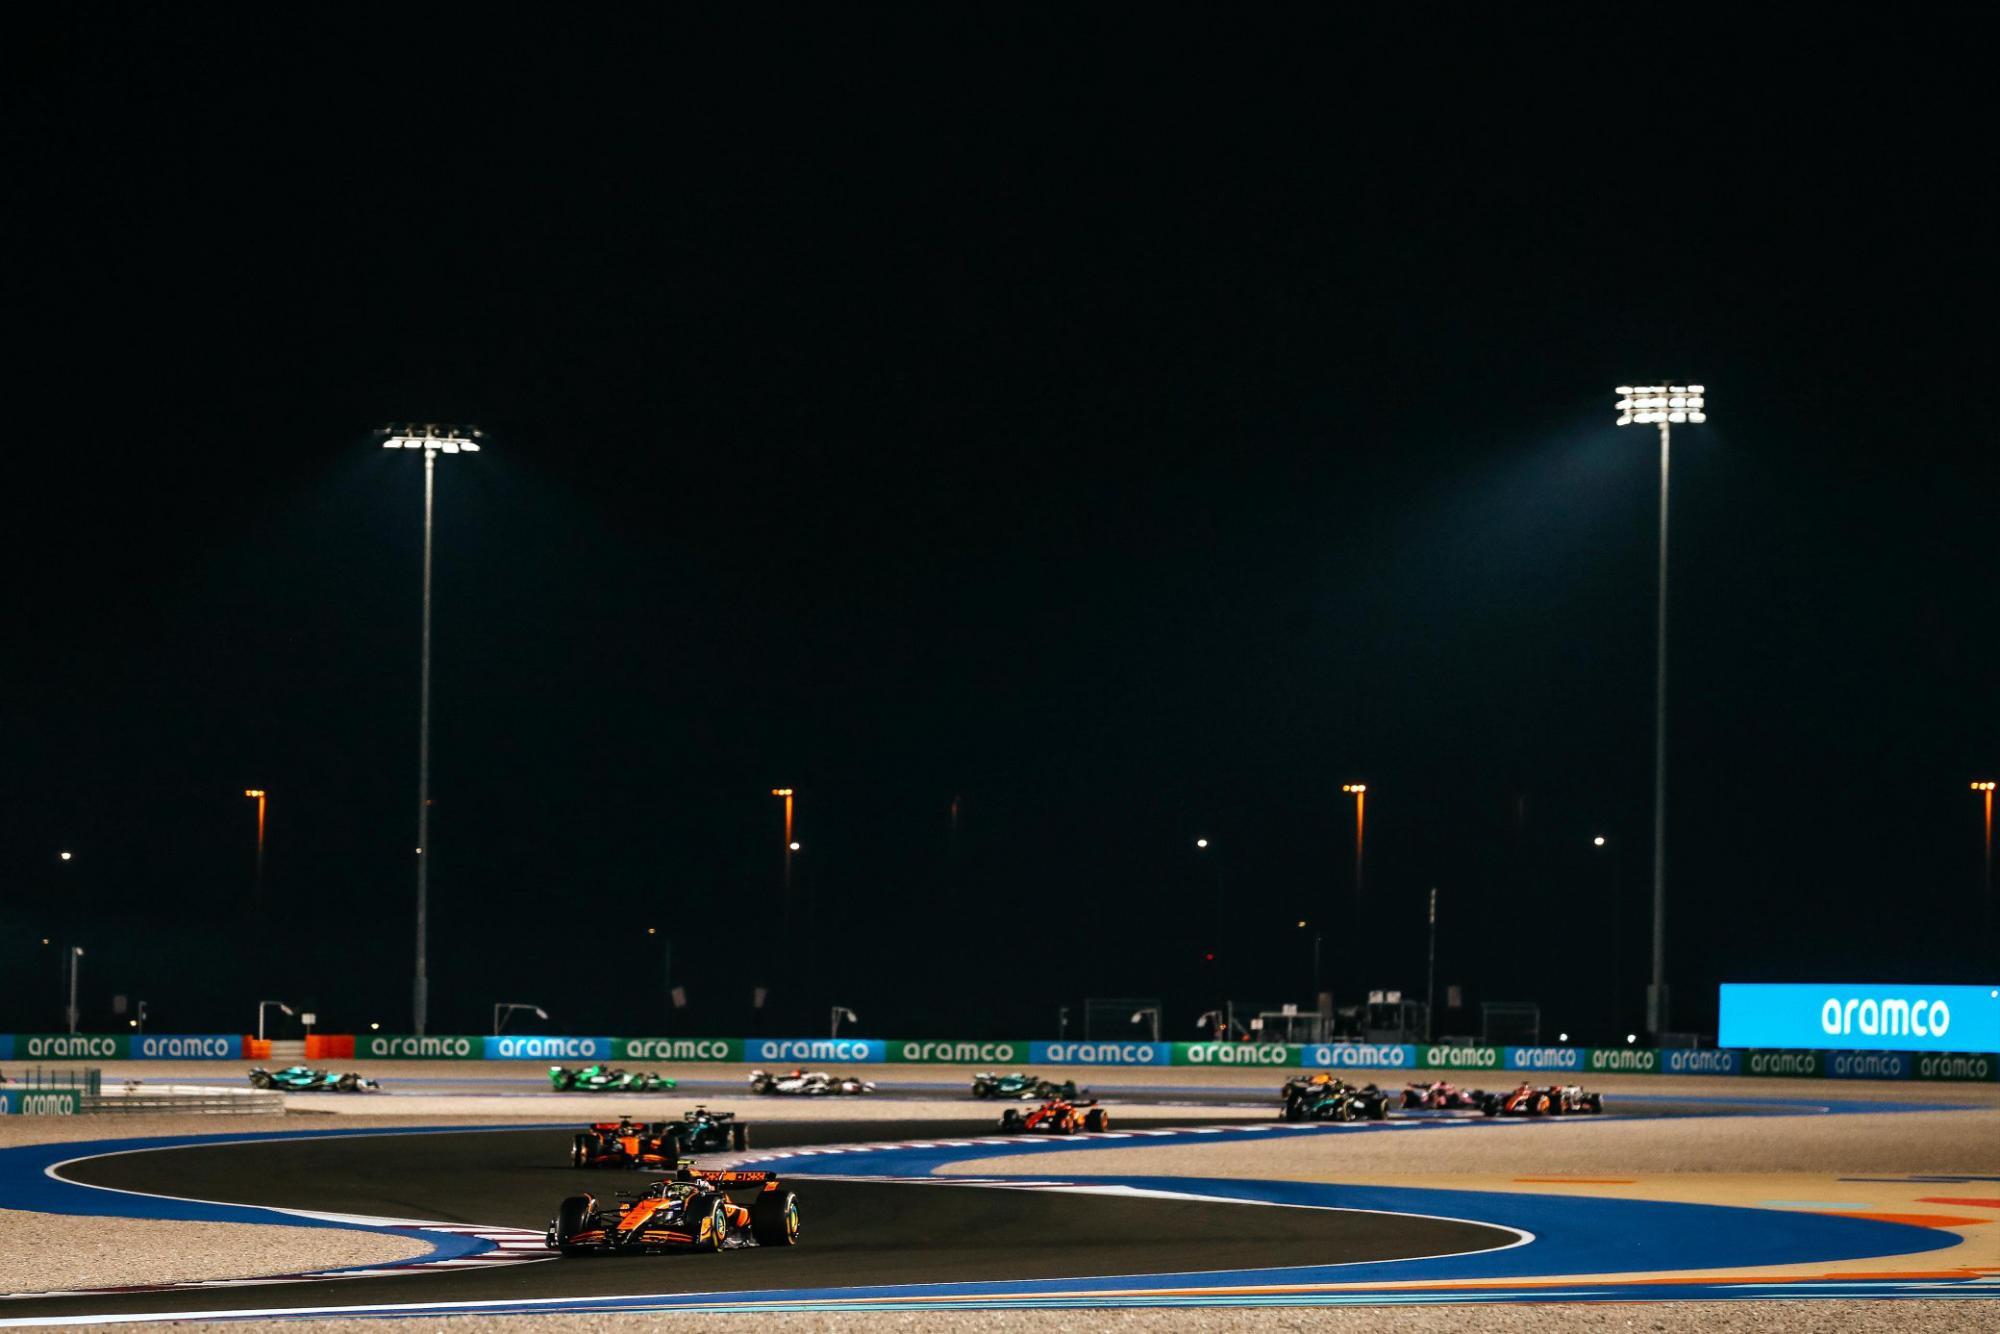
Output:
x=433 y=440
x=1667 y=405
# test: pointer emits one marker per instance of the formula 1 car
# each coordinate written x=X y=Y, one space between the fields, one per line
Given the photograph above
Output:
x=1439 y=1096
x=1324 y=1098
x=1057 y=1116
x=691 y=1210
x=1025 y=1086
x=808 y=1083
x=624 y=1143
x=305 y=1079
x=607 y=1079
x=1530 y=1100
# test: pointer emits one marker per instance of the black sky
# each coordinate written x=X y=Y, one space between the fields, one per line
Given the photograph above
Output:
x=1137 y=423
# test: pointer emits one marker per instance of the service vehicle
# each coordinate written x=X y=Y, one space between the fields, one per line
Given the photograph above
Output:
x=809 y=1083
x=691 y=1210
x=1021 y=1085
x=1540 y=1100
x=607 y=1079
x=305 y=1079
x=1057 y=1116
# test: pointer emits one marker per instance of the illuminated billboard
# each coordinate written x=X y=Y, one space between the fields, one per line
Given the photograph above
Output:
x=1860 y=1016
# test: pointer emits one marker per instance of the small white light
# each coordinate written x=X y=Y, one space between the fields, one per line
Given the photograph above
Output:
x=1562 y=1037
x=1631 y=1038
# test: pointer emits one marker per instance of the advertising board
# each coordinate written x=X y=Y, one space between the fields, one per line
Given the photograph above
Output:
x=1100 y=1053
x=545 y=1047
x=941 y=1052
x=1359 y=1056
x=814 y=1051
x=1846 y=1016
x=40 y=1101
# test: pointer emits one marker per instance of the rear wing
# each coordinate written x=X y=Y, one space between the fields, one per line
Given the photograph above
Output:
x=729 y=1181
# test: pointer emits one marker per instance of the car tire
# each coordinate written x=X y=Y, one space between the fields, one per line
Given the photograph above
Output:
x=571 y=1218
x=1593 y=1102
x=579 y=1151
x=739 y=1136
x=1010 y=1121
x=982 y=1090
x=774 y=1219
x=1097 y=1120
x=718 y=1227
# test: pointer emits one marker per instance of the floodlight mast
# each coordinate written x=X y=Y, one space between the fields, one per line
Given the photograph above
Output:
x=1667 y=405
x=433 y=439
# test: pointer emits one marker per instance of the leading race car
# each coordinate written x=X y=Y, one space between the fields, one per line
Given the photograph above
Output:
x=1439 y=1095
x=689 y=1211
x=808 y=1083
x=305 y=1079
x=1531 y=1100
x=607 y=1079
x=624 y=1143
x=1057 y=1116
x=1021 y=1085
x=1326 y=1098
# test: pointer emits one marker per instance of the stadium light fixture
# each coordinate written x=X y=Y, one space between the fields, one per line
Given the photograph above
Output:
x=1665 y=406
x=433 y=440
x=1201 y=842
x=264 y=1005
x=1597 y=842
x=1985 y=788
x=65 y=855
x=504 y=1010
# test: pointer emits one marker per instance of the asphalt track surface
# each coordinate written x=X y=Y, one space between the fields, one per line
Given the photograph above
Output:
x=854 y=1232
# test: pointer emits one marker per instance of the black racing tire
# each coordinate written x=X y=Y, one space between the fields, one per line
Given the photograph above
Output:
x=1010 y=1121
x=579 y=1150
x=1490 y=1107
x=739 y=1136
x=774 y=1219
x=982 y=1090
x=1593 y=1102
x=1378 y=1110
x=1097 y=1120
x=572 y=1217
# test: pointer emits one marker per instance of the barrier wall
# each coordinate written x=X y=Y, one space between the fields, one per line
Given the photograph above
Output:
x=1554 y=1063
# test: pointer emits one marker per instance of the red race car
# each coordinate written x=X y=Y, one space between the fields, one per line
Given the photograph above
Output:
x=1529 y=1100
x=1440 y=1095
x=1057 y=1116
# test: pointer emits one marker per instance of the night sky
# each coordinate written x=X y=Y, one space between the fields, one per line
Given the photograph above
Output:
x=1132 y=425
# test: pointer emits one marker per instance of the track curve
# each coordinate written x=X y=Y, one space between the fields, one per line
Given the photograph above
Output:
x=858 y=1233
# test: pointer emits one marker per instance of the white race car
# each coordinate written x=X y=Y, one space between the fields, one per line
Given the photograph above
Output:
x=808 y=1083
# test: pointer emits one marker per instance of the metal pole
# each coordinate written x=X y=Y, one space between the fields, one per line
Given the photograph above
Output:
x=1360 y=808
x=1431 y=968
x=75 y=962
x=1657 y=1013
x=421 y=991
x=1989 y=844
x=260 y=850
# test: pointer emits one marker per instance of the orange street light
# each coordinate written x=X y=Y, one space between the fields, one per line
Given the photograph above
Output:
x=1360 y=794
x=1986 y=789
x=260 y=796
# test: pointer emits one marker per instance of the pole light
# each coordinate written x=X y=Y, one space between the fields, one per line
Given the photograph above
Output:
x=433 y=440
x=1359 y=791
x=1985 y=789
x=504 y=1010
x=842 y=1012
x=259 y=794
x=264 y=1005
x=65 y=856
x=1664 y=405
x=75 y=967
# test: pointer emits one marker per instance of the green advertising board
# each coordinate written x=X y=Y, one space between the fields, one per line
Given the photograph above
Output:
x=932 y=1051
x=1960 y=1067
x=1440 y=1056
x=1273 y=1054
x=18 y=1101
x=1622 y=1061
x=1810 y=1064
x=677 y=1049
x=410 y=1047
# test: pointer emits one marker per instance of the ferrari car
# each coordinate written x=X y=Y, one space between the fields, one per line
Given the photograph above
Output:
x=1439 y=1096
x=1333 y=1100
x=808 y=1083
x=1020 y=1085
x=607 y=1079
x=305 y=1079
x=1533 y=1100
x=690 y=1211
x=1057 y=1116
